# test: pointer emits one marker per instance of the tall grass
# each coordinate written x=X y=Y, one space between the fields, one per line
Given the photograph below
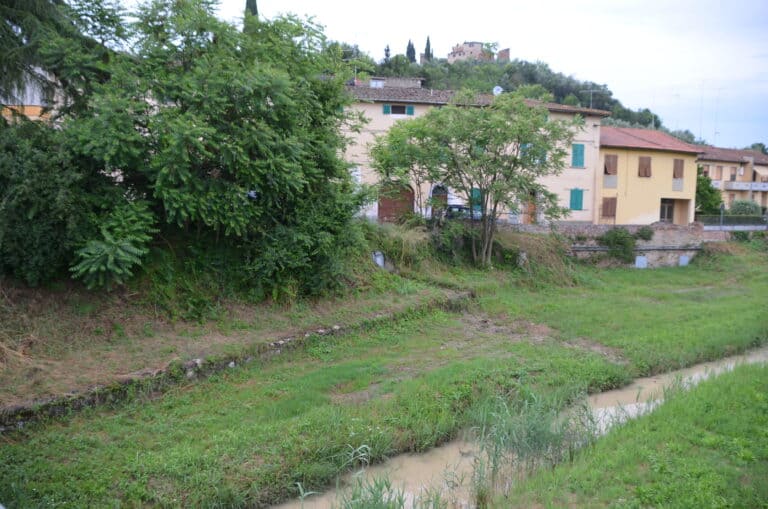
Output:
x=519 y=437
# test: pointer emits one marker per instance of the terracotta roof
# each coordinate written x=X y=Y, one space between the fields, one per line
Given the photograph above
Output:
x=732 y=155
x=625 y=137
x=440 y=97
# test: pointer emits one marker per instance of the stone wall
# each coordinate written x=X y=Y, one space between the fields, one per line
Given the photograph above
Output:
x=671 y=245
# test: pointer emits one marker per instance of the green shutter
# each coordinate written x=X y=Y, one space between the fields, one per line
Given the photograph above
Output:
x=476 y=203
x=577 y=199
x=409 y=109
x=387 y=109
x=577 y=155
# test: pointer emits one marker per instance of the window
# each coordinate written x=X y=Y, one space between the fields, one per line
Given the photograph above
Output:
x=644 y=167
x=398 y=109
x=705 y=170
x=718 y=173
x=577 y=199
x=733 y=173
x=577 y=155
x=667 y=213
x=611 y=164
x=609 y=207
x=677 y=169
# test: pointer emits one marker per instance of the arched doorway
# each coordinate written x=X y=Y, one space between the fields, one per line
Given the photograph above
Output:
x=439 y=200
x=395 y=201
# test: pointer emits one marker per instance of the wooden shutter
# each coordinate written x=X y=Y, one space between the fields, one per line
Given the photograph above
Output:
x=611 y=164
x=577 y=199
x=644 y=166
x=609 y=207
x=387 y=109
x=677 y=170
x=577 y=155
x=409 y=109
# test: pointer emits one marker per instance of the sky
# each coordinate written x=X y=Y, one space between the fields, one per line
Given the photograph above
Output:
x=701 y=65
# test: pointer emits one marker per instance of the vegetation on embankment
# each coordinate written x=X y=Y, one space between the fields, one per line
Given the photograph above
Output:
x=246 y=436
x=706 y=447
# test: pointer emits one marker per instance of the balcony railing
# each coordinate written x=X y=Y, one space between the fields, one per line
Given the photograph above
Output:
x=677 y=184
x=610 y=181
x=746 y=186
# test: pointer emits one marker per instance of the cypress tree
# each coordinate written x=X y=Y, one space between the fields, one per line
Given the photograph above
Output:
x=428 y=51
x=410 y=52
x=251 y=8
x=386 y=54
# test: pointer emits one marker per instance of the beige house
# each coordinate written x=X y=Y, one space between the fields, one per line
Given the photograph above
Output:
x=738 y=174
x=648 y=176
x=385 y=103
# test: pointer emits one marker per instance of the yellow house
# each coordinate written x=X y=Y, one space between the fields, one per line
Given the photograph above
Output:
x=647 y=176
x=31 y=104
x=384 y=101
x=738 y=174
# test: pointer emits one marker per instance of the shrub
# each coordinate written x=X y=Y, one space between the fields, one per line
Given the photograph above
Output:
x=620 y=243
x=125 y=235
x=644 y=233
x=745 y=208
x=49 y=202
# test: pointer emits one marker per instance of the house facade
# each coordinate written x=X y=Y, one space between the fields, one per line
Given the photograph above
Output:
x=738 y=174
x=647 y=176
x=383 y=104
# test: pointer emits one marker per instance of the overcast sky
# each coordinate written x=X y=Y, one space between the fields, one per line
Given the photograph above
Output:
x=701 y=65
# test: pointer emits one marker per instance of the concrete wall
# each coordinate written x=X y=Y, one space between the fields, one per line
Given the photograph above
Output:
x=638 y=199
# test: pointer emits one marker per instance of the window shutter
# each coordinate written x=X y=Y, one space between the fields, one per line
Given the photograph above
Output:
x=577 y=199
x=577 y=155
x=387 y=109
x=677 y=170
x=609 y=207
x=644 y=167
x=611 y=164
x=409 y=109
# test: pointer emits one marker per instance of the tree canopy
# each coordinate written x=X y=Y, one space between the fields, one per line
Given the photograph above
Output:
x=208 y=132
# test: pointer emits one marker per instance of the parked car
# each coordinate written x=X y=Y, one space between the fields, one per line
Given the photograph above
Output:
x=462 y=212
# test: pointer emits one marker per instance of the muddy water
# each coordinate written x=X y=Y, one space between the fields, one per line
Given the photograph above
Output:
x=449 y=468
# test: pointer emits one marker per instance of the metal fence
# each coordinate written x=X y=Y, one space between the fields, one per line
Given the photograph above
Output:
x=731 y=220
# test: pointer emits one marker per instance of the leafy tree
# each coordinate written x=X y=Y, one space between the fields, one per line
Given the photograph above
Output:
x=759 y=147
x=745 y=208
x=410 y=52
x=708 y=199
x=492 y=156
x=229 y=137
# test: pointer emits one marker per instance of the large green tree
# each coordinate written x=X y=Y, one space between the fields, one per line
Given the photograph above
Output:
x=494 y=156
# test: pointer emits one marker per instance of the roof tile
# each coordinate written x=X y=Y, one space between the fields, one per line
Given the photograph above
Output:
x=625 y=137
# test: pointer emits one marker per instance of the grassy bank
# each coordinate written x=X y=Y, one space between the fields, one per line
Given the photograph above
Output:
x=704 y=448
x=247 y=436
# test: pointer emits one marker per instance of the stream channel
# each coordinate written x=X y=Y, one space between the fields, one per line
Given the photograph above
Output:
x=448 y=468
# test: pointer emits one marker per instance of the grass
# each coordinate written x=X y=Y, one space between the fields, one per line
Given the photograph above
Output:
x=247 y=436
x=69 y=339
x=660 y=319
x=707 y=447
